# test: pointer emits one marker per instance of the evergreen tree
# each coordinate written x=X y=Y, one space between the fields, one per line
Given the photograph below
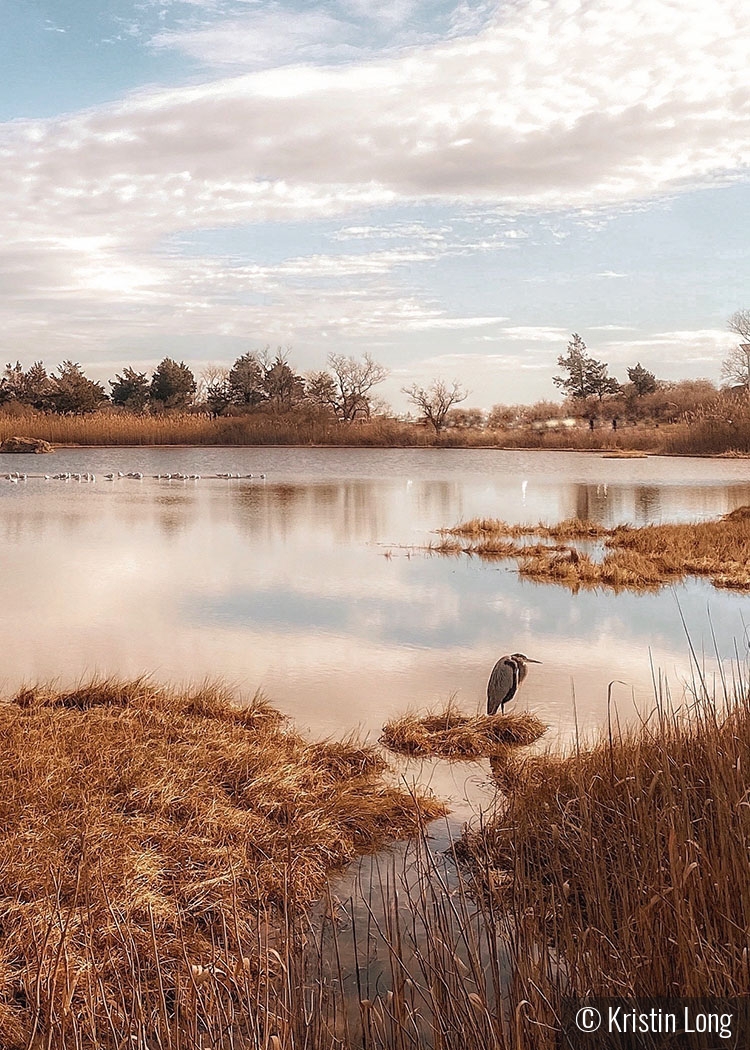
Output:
x=246 y=380
x=72 y=392
x=38 y=386
x=586 y=377
x=644 y=382
x=29 y=388
x=281 y=386
x=577 y=364
x=130 y=390
x=218 y=396
x=600 y=382
x=172 y=385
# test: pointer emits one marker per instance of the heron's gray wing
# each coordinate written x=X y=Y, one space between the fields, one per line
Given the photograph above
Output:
x=502 y=684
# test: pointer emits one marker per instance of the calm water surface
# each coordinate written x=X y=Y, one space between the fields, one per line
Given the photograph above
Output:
x=307 y=584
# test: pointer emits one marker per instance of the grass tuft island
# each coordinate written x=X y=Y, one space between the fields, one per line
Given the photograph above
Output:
x=453 y=735
x=633 y=558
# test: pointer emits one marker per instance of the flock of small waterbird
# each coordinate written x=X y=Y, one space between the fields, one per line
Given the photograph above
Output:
x=15 y=477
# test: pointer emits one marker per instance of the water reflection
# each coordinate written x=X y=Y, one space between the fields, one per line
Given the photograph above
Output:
x=647 y=504
x=283 y=584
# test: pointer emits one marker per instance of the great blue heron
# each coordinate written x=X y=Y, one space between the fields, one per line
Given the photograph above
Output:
x=506 y=677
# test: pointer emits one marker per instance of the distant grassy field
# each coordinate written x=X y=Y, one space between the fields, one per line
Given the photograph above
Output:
x=111 y=427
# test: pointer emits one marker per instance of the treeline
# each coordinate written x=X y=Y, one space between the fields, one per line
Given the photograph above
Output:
x=257 y=383
x=263 y=399
x=255 y=380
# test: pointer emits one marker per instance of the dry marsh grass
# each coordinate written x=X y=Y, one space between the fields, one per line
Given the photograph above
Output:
x=569 y=529
x=132 y=916
x=156 y=847
x=718 y=549
x=707 y=434
x=617 y=870
x=625 y=867
x=113 y=428
x=644 y=558
x=452 y=734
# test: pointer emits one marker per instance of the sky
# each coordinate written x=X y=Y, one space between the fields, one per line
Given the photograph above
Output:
x=452 y=187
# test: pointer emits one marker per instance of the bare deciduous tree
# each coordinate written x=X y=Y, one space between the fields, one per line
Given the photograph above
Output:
x=346 y=388
x=739 y=322
x=436 y=400
x=736 y=366
x=211 y=376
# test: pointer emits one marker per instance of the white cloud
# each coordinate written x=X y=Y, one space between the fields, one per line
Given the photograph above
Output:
x=414 y=231
x=556 y=105
x=678 y=351
x=266 y=37
x=536 y=334
x=455 y=322
x=280 y=32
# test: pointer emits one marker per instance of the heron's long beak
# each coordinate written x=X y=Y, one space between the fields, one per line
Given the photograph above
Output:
x=530 y=661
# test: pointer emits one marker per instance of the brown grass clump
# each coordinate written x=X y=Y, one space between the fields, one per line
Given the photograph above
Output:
x=451 y=734
x=569 y=529
x=618 y=570
x=638 y=559
x=482 y=527
x=718 y=549
x=625 y=867
x=154 y=846
x=573 y=529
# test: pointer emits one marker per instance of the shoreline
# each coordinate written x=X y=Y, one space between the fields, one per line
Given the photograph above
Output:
x=604 y=453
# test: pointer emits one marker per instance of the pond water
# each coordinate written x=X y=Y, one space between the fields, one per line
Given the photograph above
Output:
x=310 y=586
